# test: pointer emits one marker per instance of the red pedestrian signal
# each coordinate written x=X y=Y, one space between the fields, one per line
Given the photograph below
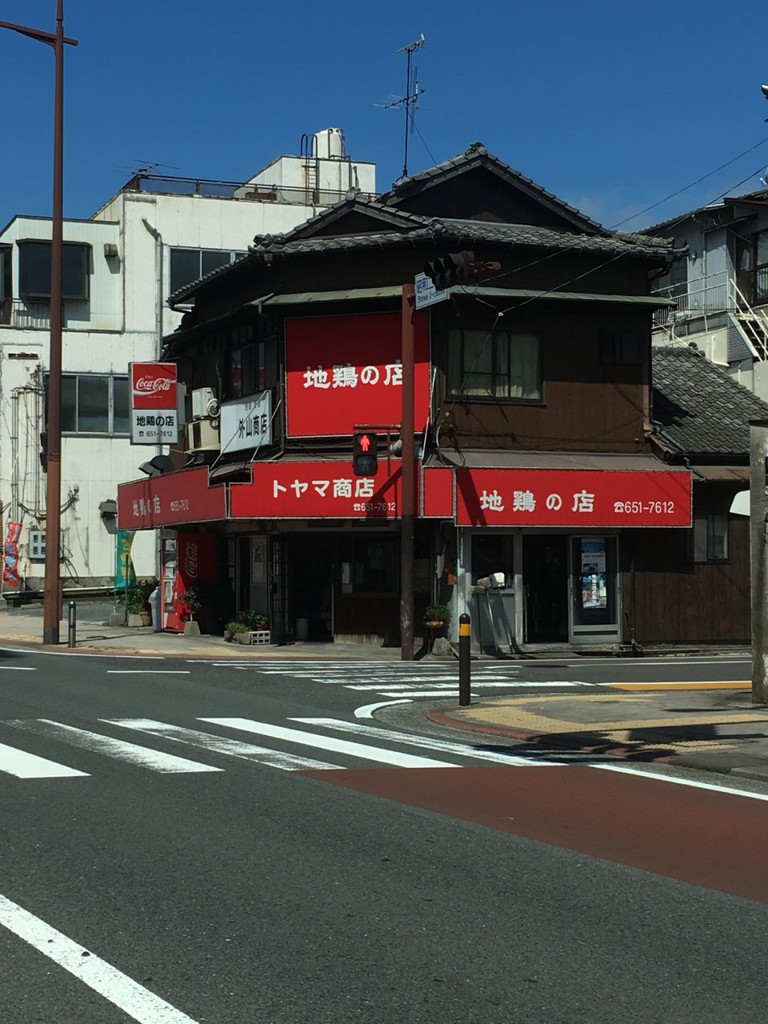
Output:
x=364 y=454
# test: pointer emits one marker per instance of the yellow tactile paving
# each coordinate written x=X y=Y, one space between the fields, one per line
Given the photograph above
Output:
x=516 y=714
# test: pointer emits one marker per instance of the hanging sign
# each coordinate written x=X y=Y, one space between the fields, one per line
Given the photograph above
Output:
x=154 y=403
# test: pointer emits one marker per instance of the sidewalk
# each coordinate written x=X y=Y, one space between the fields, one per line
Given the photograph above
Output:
x=717 y=730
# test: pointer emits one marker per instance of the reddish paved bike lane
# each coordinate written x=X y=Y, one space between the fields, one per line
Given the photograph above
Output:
x=703 y=836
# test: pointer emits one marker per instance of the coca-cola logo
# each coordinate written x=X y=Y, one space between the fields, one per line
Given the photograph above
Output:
x=149 y=385
x=190 y=561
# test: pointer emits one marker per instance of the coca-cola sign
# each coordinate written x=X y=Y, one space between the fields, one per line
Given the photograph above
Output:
x=153 y=385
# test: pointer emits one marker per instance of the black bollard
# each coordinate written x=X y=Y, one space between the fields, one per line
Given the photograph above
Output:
x=72 y=625
x=465 y=640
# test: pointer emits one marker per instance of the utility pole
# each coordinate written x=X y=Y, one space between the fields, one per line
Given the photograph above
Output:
x=408 y=470
x=52 y=597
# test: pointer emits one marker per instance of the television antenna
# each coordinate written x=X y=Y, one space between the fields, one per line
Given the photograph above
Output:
x=412 y=92
x=150 y=166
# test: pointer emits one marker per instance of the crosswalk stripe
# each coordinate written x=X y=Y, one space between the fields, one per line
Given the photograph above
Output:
x=223 y=745
x=30 y=766
x=364 y=751
x=429 y=742
x=131 y=753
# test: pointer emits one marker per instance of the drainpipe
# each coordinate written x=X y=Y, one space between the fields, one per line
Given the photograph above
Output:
x=158 y=355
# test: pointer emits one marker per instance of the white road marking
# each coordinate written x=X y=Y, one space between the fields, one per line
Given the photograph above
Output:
x=367 y=710
x=132 y=753
x=430 y=742
x=658 y=777
x=125 y=993
x=453 y=685
x=148 y=671
x=30 y=766
x=309 y=739
x=17 y=668
x=224 y=745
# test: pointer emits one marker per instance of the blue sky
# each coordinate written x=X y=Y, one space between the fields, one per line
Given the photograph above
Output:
x=613 y=105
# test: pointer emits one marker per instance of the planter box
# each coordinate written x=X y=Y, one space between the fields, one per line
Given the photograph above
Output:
x=259 y=636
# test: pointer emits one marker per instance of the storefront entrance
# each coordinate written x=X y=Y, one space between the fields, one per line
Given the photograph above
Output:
x=545 y=586
x=570 y=587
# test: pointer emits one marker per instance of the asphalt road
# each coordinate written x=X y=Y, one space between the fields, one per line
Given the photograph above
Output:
x=212 y=875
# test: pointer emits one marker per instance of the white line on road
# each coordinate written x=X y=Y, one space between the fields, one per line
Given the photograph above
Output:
x=658 y=777
x=17 y=668
x=125 y=993
x=132 y=753
x=30 y=766
x=224 y=745
x=148 y=671
x=310 y=739
x=430 y=742
x=366 y=711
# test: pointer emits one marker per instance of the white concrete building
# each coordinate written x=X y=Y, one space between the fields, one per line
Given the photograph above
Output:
x=151 y=238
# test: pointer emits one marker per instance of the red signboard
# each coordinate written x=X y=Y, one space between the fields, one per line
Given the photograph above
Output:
x=573 y=498
x=316 y=490
x=153 y=385
x=183 y=497
x=344 y=372
x=437 y=493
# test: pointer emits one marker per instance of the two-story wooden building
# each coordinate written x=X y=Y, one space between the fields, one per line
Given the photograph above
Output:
x=536 y=474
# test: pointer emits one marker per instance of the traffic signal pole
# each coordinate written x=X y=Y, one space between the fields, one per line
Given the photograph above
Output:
x=408 y=512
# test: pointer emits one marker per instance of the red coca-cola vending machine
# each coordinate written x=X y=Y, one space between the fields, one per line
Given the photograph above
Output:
x=188 y=559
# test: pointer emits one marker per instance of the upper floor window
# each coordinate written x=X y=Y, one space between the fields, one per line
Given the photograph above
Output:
x=621 y=348
x=35 y=270
x=494 y=364
x=710 y=537
x=93 y=403
x=189 y=265
x=761 y=267
x=6 y=278
x=252 y=362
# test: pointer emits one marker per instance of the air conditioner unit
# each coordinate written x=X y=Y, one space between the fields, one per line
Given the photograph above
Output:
x=204 y=403
x=203 y=436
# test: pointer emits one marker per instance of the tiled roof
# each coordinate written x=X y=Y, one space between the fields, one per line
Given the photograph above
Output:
x=698 y=408
x=477 y=154
x=470 y=231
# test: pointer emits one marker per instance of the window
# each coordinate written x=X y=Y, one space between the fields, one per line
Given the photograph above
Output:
x=252 y=363
x=494 y=364
x=189 y=265
x=6 y=280
x=710 y=537
x=35 y=270
x=94 y=404
x=622 y=348
x=761 y=267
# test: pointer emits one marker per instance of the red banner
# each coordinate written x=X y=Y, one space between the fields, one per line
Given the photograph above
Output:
x=316 y=490
x=574 y=498
x=344 y=372
x=182 y=497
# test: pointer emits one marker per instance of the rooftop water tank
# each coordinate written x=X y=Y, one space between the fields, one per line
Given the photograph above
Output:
x=329 y=144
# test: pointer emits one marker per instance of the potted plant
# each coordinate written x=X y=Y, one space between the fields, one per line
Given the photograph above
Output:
x=248 y=627
x=136 y=602
x=437 y=617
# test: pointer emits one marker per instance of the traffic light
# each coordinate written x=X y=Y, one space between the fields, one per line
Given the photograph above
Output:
x=453 y=268
x=364 y=454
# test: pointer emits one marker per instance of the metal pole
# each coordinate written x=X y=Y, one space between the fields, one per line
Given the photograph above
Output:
x=52 y=595
x=408 y=512
x=465 y=641
x=72 y=632
x=758 y=528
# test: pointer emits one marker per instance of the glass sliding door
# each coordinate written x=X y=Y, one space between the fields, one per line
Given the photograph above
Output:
x=594 y=589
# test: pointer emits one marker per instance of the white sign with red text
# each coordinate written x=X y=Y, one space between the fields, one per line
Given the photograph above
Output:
x=154 y=403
